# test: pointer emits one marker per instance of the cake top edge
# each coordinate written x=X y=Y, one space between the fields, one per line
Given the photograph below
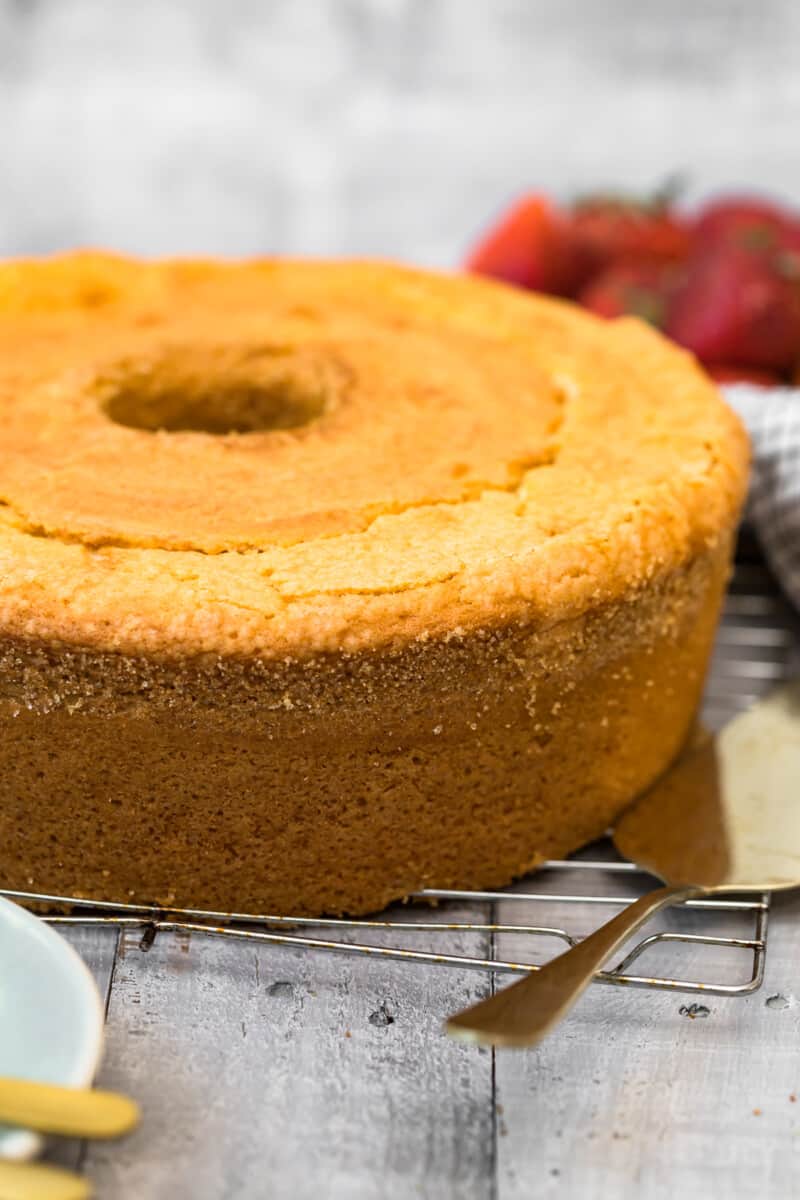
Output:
x=280 y=456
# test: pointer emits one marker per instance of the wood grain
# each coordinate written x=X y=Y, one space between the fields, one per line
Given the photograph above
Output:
x=634 y=1098
x=266 y=1072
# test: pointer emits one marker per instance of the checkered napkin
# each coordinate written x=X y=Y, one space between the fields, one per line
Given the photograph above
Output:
x=772 y=417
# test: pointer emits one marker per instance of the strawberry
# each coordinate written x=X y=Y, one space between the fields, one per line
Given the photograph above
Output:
x=725 y=373
x=641 y=289
x=747 y=222
x=529 y=246
x=738 y=306
x=607 y=229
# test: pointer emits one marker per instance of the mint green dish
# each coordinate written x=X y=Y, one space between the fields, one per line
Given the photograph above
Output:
x=51 y=1015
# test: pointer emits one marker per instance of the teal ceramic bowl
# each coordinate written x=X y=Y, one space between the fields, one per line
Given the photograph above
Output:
x=51 y=1015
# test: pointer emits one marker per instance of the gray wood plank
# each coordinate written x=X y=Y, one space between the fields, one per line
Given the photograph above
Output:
x=632 y=1098
x=271 y=1072
x=97 y=948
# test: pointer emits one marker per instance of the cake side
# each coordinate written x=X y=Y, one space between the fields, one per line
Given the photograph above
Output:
x=340 y=786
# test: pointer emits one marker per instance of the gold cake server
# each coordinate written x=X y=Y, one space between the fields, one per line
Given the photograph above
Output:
x=725 y=818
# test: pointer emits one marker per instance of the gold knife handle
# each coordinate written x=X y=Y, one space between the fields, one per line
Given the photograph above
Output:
x=71 y=1112
x=522 y=1014
x=35 y=1181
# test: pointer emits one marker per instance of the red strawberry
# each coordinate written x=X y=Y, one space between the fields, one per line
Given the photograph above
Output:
x=754 y=225
x=738 y=306
x=724 y=373
x=529 y=246
x=610 y=229
x=641 y=289
x=747 y=222
x=788 y=255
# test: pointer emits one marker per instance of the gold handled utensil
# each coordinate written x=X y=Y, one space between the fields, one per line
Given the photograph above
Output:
x=725 y=818
x=35 y=1181
x=70 y=1112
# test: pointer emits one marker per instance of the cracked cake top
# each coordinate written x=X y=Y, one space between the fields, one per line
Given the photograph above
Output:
x=277 y=458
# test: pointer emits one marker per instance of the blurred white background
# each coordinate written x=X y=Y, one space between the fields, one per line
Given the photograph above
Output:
x=389 y=127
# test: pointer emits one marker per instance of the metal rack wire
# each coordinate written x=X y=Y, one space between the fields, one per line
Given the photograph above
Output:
x=273 y=929
x=757 y=642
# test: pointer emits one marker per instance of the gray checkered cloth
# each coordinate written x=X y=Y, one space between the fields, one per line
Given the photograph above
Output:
x=772 y=417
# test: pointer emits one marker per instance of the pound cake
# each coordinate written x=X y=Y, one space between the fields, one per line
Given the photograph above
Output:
x=321 y=583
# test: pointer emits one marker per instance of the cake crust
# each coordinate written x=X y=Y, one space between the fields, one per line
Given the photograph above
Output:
x=339 y=783
x=407 y=507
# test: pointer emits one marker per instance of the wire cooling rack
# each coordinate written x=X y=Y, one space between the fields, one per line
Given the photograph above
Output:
x=757 y=646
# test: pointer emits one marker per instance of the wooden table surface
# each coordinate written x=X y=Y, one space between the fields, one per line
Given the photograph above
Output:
x=273 y=1072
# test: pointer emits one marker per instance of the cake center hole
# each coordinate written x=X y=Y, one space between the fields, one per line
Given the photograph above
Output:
x=205 y=393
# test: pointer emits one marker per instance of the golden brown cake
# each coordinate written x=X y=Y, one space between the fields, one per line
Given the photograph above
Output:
x=321 y=583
